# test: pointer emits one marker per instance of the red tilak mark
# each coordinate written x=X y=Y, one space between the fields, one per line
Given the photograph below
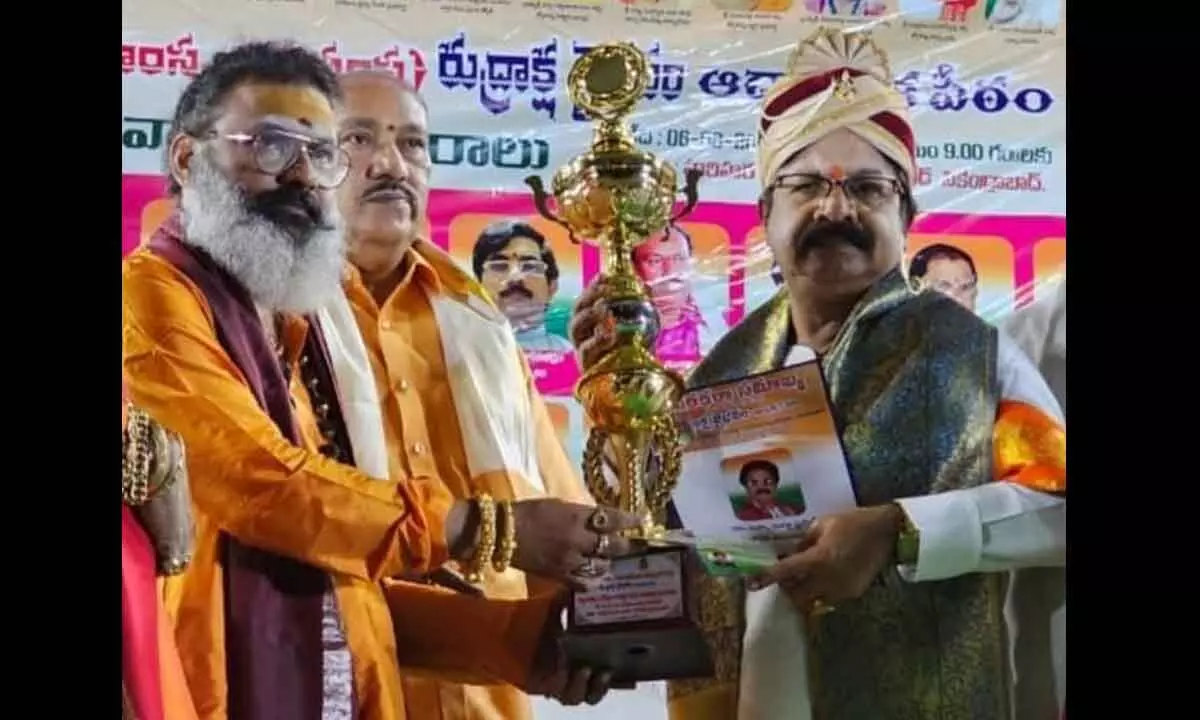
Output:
x=837 y=172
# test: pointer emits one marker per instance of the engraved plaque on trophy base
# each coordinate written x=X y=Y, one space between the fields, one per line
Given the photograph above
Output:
x=641 y=622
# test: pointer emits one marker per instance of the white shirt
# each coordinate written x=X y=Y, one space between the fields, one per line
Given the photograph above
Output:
x=995 y=527
x=1037 y=608
x=1040 y=329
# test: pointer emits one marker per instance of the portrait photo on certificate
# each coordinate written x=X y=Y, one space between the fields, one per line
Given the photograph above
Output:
x=762 y=459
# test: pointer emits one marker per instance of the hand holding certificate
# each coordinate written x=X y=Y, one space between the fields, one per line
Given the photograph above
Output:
x=762 y=460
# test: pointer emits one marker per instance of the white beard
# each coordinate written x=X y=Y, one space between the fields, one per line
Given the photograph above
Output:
x=279 y=272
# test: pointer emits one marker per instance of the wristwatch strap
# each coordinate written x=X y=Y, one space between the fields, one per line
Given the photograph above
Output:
x=908 y=543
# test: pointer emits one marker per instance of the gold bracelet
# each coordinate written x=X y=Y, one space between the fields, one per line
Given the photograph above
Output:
x=144 y=472
x=487 y=538
x=138 y=463
x=508 y=540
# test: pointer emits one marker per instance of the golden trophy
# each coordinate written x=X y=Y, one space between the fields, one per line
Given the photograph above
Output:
x=641 y=621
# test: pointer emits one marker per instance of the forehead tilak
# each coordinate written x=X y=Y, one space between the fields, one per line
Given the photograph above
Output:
x=288 y=106
x=381 y=104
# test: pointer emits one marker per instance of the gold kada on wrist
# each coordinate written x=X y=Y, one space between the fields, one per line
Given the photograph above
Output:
x=146 y=466
x=154 y=486
x=616 y=196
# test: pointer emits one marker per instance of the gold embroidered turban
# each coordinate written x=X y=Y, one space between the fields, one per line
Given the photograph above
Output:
x=834 y=80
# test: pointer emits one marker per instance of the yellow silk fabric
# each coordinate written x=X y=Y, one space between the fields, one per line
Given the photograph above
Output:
x=1029 y=448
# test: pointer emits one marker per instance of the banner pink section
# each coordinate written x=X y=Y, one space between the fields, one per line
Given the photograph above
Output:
x=137 y=191
x=1003 y=247
x=554 y=373
x=1022 y=232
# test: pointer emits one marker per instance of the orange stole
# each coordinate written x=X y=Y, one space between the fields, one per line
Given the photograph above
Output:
x=1029 y=448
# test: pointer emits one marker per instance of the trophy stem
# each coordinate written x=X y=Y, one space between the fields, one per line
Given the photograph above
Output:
x=618 y=253
x=612 y=136
x=633 y=473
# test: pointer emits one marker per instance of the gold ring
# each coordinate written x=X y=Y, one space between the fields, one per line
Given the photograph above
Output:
x=603 y=542
x=598 y=521
x=820 y=607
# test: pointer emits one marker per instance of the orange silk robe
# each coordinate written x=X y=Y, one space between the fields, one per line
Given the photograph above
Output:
x=407 y=359
x=248 y=481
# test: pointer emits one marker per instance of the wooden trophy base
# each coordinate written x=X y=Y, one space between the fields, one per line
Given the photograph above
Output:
x=642 y=622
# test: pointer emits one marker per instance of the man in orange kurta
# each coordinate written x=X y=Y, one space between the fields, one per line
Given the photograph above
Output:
x=281 y=612
x=432 y=360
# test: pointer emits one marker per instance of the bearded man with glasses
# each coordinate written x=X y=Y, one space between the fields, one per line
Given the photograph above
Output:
x=956 y=447
x=282 y=611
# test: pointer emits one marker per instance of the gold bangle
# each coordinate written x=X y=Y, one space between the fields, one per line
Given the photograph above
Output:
x=137 y=482
x=487 y=538
x=508 y=540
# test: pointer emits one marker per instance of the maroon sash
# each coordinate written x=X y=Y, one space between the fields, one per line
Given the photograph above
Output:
x=273 y=604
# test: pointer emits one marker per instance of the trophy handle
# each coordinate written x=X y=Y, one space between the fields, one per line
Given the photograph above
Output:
x=664 y=436
x=593 y=470
x=691 y=183
x=540 y=201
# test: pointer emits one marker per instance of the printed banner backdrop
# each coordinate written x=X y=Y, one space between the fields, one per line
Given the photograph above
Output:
x=984 y=78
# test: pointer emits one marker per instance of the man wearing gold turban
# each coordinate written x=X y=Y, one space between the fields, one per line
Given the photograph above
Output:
x=956 y=446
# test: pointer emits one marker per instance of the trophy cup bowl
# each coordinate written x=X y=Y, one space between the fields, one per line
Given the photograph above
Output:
x=596 y=190
x=641 y=622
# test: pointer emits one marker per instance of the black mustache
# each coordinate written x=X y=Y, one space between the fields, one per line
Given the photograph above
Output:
x=512 y=290
x=389 y=185
x=829 y=233
x=268 y=202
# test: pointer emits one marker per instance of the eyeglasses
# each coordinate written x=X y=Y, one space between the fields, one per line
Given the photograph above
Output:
x=523 y=266
x=950 y=288
x=363 y=145
x=660 y=264
x=276 y=151
x=869 y=190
